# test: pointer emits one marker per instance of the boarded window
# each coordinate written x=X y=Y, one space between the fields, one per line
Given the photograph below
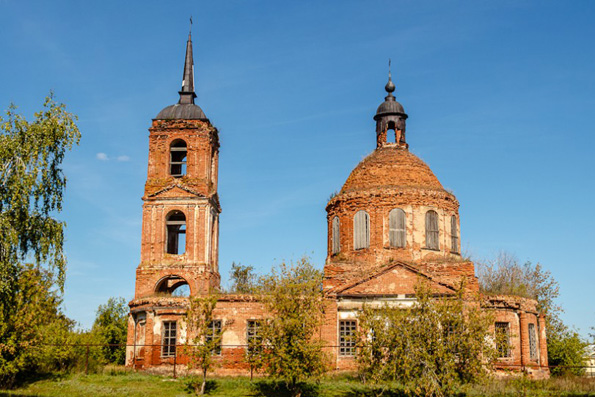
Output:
x=432 y=233
x=532 y=342
x=361 y=230
x=168 y=348
x=397 y=234
x=454 y=234
x=214 y=331
x=502 y=339
x=336 y=237
x=176 y=232
x=347 y=337
x=177 y=158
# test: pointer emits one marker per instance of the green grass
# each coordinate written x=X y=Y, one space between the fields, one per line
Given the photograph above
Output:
x=120 y=382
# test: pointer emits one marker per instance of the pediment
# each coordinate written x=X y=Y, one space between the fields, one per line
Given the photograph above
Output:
x=395 y=279
x=175 y=191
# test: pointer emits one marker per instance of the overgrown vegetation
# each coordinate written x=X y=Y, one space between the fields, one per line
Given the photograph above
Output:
x=110 y=330
x=243 y=279
x=293 y=298
x=429 y=349
x=506 y=276
x=205 y=341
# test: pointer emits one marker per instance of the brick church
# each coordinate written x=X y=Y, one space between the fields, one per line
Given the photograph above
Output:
x=391 y=223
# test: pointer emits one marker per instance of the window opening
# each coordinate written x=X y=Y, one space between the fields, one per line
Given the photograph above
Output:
x=432 y=232
x=361 y=230
x=347 y=337
x=454 y=234
x=397 y=234
x=168 y=348
x=177 y=160
x=503 y=339
x=253 y=336
x=173 y=285
x=532 y=342
x=336 y=242
x=213 y=332
x=176 y=233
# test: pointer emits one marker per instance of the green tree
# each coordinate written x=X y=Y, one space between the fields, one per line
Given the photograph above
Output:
x=430 y=348
x=292 y=295
x=31 y=191
x=506 y=276
x=243 y=279
x=110 y=329
x=205 y=335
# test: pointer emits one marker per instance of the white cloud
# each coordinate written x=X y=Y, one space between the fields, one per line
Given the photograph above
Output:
x=123 y=158
x=101 y=156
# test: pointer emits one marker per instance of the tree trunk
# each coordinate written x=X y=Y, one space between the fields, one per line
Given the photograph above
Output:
x=203 y=386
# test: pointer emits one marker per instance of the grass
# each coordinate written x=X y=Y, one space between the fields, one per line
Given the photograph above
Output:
x=121 y=382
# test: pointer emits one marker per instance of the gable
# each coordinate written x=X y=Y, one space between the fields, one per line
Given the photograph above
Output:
x=395 y=279
x=175 y=191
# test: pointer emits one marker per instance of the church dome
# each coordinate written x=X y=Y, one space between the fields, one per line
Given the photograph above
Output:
x=185 y=111
x=390 y=167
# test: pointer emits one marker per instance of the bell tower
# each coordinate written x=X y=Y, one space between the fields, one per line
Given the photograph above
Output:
x=180 y=222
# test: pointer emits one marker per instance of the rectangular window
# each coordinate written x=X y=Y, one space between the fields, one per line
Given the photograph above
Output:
x=214 y=332
x=532 y=342
x=503 y=339
x=253 y=336
x=168 y=348
x=347 y=337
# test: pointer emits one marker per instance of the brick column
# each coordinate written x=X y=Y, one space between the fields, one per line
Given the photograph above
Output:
x=542 y=342
x=524 y=337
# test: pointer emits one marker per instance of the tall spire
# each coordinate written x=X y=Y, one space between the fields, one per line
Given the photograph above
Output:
x=187 y=93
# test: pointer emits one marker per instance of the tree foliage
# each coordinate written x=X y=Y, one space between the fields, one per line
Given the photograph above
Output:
x=243 y=279
x=506 y=276
x=31 y=191
x=292 y=296
x=110 y=329
x=204 y=342
x=430 y=347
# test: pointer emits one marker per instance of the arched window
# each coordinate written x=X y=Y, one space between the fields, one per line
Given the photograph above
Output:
x=454 y=234
x=335 y=236
x=432 y=231
x=397 y=233
x=176 y=232
x=361 y=230
x=177 y=158
x=173 y=285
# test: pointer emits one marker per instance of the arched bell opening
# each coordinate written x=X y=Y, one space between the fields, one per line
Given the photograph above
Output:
x=173 y=285
x=175 y=223
x=177 y=158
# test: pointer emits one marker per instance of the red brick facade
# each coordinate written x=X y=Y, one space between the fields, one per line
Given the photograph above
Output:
x=376 y=256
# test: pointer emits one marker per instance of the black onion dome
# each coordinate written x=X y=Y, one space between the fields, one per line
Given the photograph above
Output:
x=185 y=111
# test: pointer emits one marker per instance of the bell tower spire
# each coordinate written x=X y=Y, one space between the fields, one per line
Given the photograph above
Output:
x=187 y=93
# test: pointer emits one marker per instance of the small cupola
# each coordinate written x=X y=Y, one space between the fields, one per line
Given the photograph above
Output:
x=390 y=116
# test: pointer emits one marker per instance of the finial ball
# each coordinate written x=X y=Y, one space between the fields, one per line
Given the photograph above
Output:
x=390 y=87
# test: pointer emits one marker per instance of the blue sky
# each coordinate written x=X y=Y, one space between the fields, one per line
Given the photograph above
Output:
x=500 y=97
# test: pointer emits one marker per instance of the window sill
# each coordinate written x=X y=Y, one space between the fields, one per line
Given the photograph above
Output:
x=431 y=249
